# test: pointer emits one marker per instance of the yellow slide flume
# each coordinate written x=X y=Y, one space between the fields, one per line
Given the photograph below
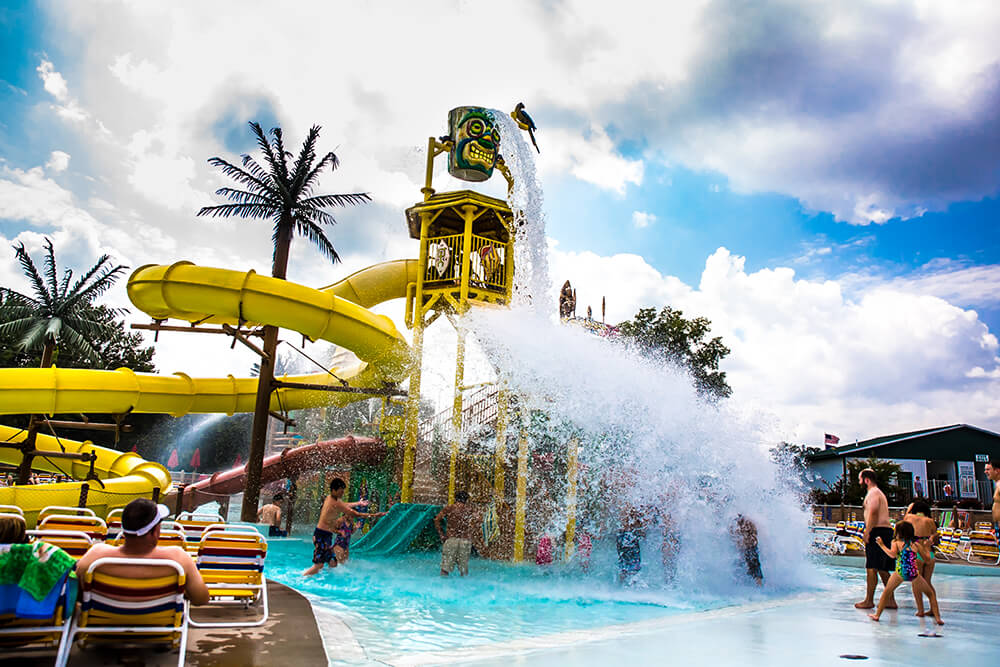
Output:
x=338 y=313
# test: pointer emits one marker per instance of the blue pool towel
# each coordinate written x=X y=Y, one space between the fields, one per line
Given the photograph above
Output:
x=17 y=601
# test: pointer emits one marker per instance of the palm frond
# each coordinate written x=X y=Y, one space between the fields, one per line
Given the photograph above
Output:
x=64 y=285
x=264 y=176
x=51 y=273
x=316 y=215
x=238 y=210
x=79 y=343
x=101 y=284
x=28 y=267
x=240 y=175
x=265 y=145
x=244 y=197
x=33 y=337
x=281 y=164
x=306 y=156
x=14 y=299
x=331 y=160
x=335 y=200
x=15 y=328
x=312 y=231
x=85 y=278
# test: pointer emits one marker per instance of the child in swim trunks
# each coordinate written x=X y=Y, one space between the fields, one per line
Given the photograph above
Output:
x=332 y=537
x=907 y=551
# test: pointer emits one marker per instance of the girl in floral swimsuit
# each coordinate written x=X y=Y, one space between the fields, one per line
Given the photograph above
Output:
x=907 y=550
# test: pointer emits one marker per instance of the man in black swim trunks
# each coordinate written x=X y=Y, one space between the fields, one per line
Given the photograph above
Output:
x=877 y=563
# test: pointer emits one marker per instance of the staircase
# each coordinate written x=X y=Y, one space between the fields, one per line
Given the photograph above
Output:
x=479 y=410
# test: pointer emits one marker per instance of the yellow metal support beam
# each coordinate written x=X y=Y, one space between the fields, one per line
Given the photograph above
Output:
x=456 y=414
x=503 y=405
x=571 y=474
x=522 y=497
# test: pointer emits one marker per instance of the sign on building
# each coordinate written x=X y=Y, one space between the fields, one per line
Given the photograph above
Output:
x=982 y=458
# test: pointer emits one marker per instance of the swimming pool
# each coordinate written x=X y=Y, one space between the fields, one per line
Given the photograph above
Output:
x=398 y=611
x=401 y=605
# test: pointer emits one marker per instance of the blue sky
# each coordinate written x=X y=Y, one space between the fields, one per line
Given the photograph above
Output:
x=741 y=182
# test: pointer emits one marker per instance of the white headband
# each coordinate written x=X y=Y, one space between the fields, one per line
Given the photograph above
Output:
x=162 y=511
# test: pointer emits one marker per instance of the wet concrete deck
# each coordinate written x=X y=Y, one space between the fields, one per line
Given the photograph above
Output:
x=289 y=637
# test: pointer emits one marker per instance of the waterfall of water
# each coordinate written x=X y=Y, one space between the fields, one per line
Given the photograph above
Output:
x=653 y=454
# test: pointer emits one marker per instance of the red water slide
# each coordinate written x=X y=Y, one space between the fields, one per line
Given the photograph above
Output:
x=289 y=463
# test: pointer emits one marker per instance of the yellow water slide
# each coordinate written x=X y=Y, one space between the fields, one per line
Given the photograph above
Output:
x=338 y=314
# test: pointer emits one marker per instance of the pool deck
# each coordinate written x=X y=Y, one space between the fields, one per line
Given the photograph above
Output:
x=811 y=629
x=289 y=637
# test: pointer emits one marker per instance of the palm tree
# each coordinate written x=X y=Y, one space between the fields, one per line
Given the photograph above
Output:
x=282 y=193
x=61 y=312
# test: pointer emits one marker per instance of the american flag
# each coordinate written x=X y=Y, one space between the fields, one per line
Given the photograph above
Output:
x=830 y=439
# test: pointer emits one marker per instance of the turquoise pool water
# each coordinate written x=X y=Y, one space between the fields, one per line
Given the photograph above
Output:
x=402 y=605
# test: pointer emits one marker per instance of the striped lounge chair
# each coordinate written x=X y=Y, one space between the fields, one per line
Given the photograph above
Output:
x=947 y=547
x=122 y=610
x=91 y=525
x=194 y=525
x=983 y=546
x=852 y=542
x=74 y=542
x=232 y=566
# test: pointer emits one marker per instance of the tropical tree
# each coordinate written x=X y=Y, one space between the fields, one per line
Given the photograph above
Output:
x=280 y=190
x=59 y=313
x=669 y=335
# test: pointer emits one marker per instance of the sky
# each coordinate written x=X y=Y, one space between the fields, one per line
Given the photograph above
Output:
x=820 y=180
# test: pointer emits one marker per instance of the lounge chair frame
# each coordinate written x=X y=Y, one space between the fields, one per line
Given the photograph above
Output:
x=76 y=629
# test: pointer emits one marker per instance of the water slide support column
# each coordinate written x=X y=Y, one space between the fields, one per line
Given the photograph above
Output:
x=468 y=215
x=522 y=496
x=571 y=473
x=413 y=399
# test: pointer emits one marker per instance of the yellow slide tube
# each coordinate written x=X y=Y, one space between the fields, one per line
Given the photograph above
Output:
x=123 y=476
x=337 y=313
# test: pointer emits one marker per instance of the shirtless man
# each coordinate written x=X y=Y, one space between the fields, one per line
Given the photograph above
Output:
x=993 y=472
x=337 y=517
x=271 y=515
x=141 y=526
x=458 y=534
x=877 y=563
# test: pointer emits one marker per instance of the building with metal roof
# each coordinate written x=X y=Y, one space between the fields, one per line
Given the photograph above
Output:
x=936 y=463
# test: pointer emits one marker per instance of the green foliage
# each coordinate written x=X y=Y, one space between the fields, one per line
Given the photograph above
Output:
x=283 y=193
x=669 y=335
x=60 y=313
x=886 y=472
x=793 y=456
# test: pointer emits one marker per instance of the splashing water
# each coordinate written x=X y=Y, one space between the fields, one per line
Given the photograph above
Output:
x=652 y=454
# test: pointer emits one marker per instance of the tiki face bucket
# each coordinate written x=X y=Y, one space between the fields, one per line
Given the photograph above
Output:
x=476 y=143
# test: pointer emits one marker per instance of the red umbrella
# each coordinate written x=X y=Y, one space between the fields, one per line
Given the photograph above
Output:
x=196 y=459
x=173 y=461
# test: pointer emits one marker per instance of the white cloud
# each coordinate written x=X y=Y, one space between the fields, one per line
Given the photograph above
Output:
x=58 y=161
x=53 y=81
x=884 y=359
x=642 y=219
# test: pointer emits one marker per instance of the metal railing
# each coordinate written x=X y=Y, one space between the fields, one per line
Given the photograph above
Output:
x=934 y=490
x=486 y=262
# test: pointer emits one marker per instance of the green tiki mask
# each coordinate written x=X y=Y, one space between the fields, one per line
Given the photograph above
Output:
x=476 y=142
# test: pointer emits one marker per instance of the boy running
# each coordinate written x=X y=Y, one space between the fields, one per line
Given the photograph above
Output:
x=332 y=537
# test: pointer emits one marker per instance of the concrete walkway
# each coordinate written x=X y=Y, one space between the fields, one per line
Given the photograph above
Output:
x=289 y=637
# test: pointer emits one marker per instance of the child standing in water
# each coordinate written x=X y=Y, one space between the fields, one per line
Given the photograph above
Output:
x=908 y=552
x=336 y=517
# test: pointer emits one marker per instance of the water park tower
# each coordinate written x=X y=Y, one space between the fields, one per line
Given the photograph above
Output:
x=466 y=258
